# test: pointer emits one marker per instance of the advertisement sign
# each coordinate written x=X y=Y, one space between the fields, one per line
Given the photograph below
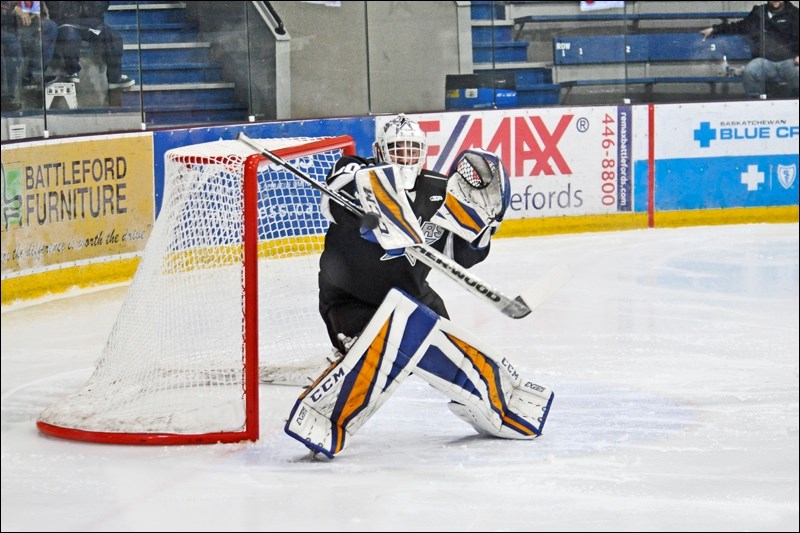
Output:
x=68 y=201
x=725 y=155
x=560 y=161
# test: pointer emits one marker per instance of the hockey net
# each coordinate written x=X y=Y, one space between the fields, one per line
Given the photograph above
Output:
x=225 y=297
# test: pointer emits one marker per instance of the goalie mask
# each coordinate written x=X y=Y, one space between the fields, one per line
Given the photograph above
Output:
x=404 y=144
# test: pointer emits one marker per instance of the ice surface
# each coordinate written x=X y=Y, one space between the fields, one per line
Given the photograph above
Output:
x=673 y=354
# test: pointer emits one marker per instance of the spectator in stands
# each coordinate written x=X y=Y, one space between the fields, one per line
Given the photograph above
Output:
x=772 y=29
x=85 y=21
x=38 y=38
x=11 y=56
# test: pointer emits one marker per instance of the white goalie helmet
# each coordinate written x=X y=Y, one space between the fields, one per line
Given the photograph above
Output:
x=404 y=144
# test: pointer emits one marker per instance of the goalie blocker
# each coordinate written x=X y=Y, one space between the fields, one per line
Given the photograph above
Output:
x=385 y=202
x=406 y=337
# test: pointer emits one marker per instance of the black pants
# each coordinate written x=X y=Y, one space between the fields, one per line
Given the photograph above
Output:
x=68 y=45
x=343 y=313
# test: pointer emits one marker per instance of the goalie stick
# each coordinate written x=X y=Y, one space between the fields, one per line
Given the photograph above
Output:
x=514 y=308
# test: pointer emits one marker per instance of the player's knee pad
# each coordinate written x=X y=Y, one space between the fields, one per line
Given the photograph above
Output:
x=352 y=388
x=489 y=395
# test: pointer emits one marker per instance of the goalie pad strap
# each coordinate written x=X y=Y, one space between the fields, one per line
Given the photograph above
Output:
x=346 y=395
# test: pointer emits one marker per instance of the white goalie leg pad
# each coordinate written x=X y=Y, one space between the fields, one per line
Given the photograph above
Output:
x=346 y=395
x=489 y=395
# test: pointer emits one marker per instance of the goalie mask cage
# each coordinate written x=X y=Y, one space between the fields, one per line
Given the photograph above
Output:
x=233 y=257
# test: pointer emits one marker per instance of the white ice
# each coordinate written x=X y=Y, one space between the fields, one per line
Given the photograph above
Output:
x=673 y=354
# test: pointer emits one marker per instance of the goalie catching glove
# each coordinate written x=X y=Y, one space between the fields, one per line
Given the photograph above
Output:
x=382 y=196
x=478 y=194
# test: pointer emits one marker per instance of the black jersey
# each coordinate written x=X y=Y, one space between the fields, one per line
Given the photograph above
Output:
x=353 y=265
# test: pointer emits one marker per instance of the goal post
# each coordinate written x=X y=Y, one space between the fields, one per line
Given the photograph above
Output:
x=224 y=298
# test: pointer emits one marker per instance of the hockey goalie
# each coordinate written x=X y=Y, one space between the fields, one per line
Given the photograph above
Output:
x=383 y=318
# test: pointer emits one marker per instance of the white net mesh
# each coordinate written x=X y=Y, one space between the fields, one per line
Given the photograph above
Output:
x=174 y=362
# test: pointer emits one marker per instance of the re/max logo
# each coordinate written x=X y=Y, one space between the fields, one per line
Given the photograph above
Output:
x=519 y=141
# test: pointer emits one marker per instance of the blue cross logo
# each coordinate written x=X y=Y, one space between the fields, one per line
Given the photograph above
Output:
x=705 y=134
